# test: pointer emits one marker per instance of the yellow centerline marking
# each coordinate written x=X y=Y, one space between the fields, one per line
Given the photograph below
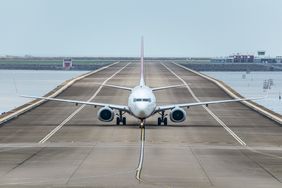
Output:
x=141 y=156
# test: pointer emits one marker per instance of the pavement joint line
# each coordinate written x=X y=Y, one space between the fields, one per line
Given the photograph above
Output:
x=24 y=161
x=201 y=165
x=19 y=181
x=234 y=135
x=80 y=164
x=256 y=149
x=79 y=109
x=261 y=166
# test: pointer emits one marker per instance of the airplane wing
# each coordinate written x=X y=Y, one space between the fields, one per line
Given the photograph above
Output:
x=167 y=87
x=169 y=107
x=95 y=104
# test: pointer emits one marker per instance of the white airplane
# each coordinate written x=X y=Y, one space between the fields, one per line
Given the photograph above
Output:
x=141 y=103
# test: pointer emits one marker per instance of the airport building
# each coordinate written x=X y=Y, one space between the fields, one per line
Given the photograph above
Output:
x=238 y=58
x=248 y=58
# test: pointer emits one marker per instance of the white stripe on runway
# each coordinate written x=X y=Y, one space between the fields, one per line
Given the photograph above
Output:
x=236 y=137
x=79 y=109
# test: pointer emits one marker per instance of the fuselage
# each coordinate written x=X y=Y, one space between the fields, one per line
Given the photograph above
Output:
x=142 y=102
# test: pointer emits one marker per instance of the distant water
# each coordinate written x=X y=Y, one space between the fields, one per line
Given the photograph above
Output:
x=32 y=82
x=252 y=86
x=29 y=82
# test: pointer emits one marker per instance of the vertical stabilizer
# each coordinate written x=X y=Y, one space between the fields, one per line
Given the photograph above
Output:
x=142 y=82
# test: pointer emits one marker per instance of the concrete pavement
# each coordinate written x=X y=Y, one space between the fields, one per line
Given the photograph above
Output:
x=85 y=152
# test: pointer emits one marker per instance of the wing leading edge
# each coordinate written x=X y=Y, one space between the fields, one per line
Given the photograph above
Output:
x=95 y=104
x=183 y=105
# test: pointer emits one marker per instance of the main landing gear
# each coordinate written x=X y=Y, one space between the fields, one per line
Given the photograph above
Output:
x=162 y=119
x=120 y=119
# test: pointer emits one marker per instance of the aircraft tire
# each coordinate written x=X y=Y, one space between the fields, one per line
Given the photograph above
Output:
x=159 y=121
x=165 y=121
x=117 y=121
x=124 y=120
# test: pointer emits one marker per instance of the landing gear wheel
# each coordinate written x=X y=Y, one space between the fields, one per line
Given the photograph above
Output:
x=165 y=121
x=162 y=119
x=120 y=119
x=124 y=120
x=159 y=121
x=117 y=121
x=142 y=124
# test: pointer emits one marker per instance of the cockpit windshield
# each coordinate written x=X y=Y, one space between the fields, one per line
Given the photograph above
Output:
x=146 y=100
x=139 y=100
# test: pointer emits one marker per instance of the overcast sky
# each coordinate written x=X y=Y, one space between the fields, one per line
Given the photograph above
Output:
x=114 y=27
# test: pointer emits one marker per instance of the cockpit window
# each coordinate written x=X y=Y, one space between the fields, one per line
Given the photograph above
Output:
x=147 y=100
x=139 y=100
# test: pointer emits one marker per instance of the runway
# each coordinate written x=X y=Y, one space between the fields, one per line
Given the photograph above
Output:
x=223 y=145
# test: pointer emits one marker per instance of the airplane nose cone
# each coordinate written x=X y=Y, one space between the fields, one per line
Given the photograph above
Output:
x=142 y=114
x=142 y=111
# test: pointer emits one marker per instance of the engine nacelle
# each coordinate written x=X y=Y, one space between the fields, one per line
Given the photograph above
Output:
x=177 y=115
x=106 y=114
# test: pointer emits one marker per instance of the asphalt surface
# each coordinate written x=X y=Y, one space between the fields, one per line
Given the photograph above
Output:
x=203 y=151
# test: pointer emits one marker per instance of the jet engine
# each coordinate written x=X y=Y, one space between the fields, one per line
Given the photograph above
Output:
x=177 y=115
x=106 y=114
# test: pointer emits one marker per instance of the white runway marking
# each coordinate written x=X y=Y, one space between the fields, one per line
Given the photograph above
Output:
x=236 y=137
x=79 y=109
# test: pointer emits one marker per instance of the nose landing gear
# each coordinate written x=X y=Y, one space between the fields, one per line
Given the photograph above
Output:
x=142 y=124
x=162 y=119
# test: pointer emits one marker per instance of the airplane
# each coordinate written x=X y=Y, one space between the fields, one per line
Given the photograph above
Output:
x=142 y=103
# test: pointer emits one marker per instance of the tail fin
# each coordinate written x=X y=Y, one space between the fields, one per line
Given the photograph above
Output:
x=142 y=81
